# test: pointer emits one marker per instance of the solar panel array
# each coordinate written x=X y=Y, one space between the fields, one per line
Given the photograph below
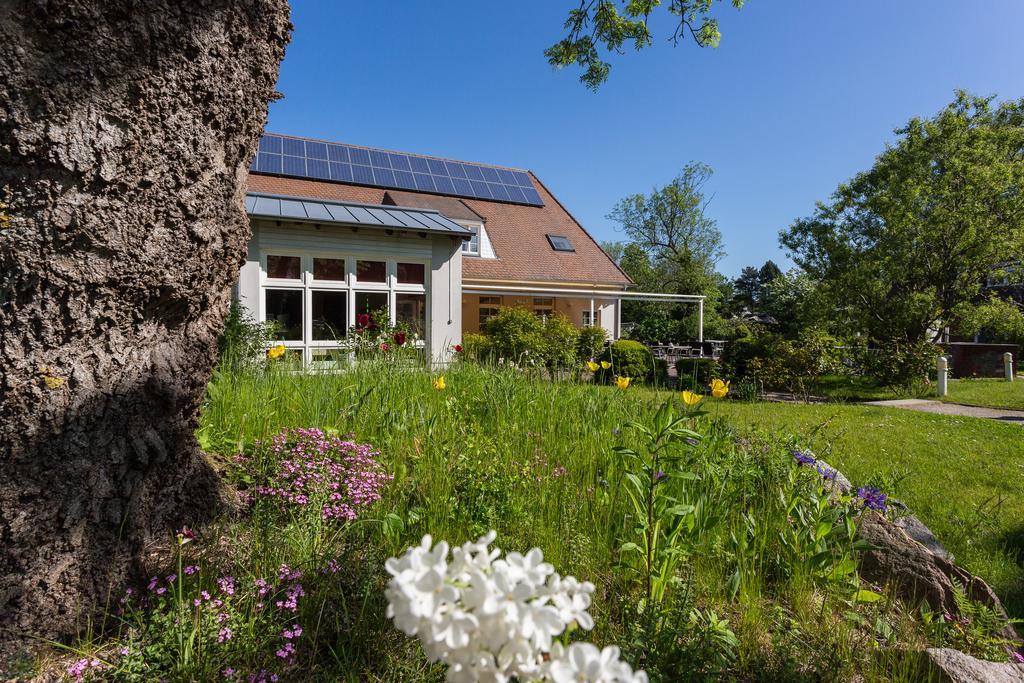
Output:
x=279 y=155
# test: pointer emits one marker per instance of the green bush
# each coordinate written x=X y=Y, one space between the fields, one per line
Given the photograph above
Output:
x=591 y=342
x=629 y=359
x=794 y=365
x=243 y=341
x=516 y=335
x=560 y=339
x=902 y=366
x=476 y=347
x=696 y=373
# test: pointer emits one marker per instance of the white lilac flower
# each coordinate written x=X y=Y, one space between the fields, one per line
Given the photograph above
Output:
x=493 y=619
x=585 y=662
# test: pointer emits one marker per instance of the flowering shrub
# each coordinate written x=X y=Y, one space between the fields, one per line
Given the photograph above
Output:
x=493 y=618
x=326 y=473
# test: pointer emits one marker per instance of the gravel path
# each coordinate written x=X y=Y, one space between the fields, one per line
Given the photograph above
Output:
x=925 y=406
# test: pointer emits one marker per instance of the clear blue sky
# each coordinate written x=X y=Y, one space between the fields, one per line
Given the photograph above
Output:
x=800 y=95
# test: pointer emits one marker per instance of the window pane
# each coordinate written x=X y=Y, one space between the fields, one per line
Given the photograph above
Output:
x=284 y=267
x=490 y=300
x=411 y=311
x=284 y=308
x=472 y=245
x=330 y=313
x=486 y=314
x=371 y=271
x=411 y=273
x=329 y=269
x=371 y=302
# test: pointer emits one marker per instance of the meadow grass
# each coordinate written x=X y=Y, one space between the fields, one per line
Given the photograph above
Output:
x=757 y=573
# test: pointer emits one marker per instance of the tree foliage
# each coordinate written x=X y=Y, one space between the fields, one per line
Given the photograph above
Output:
x=600 y=24
x=905 y=247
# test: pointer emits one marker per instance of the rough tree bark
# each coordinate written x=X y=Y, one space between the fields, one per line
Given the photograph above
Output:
x=126 y=129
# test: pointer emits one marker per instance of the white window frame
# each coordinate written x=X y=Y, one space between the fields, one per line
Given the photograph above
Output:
x=351 y=286
x=477 y=239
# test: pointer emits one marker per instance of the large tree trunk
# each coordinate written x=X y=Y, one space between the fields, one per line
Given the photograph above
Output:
x=126 y=130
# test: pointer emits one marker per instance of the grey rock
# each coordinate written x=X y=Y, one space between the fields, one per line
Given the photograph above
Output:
x=917 y=530
x=952 y=666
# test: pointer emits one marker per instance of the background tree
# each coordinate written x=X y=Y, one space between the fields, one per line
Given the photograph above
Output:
x=768 y=272
x=673 y=247
x=600 y=23
x=747 y=287
x=126 y=130
x=905 y=247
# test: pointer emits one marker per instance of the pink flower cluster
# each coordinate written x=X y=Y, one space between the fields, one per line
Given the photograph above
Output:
x=336 y=475
x=78 y=670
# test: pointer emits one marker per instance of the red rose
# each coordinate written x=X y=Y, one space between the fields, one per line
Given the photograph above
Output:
x=362 y=320
x=458 y=348
x=400 y=338
x=385 y=346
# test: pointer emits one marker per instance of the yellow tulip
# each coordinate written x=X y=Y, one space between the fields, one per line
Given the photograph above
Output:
x=691 y=398
x=592 y=366
x=623 y=382
x=275 y=352
x=439 y=383
x=605 y=364
x=719 y=388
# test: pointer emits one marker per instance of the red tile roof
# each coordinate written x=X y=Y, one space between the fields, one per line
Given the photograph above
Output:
x=518 y=233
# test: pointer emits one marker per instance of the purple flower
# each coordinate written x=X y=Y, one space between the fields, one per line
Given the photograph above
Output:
x=803 y=458
x=872 y=498
x=332 y=567
x=1017 y=657
x=286 y=651
x=659 y=475
x=227 y=584
x=170 y=578
x=293 y=632
x=191 y=569
x=229 y=672
x=224 y=635
x=826 y=473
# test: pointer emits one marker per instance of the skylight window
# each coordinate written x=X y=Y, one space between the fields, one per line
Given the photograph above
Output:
x=560 y=243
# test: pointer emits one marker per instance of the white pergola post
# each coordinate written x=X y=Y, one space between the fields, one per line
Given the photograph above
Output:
x=592 y=321
x=1008 y=366
x=700 y=321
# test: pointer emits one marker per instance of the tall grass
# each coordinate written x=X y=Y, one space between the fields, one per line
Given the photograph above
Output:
x=758 y=583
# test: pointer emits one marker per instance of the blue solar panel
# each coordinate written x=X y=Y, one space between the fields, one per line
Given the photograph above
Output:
x=473 y=172
x=302 y=158
x=423 y=182
x=363 y=174
x=399 y=162
x=384 y=176
x=341 y=172
x=316 y=150
x=293 y=147
x=294 y=165
x=437 y=167
x=419 y=164
x=337 y=153
x=404 y=180
x=359 y=156
x=498 y=191
x=271 y=144
x=318 y=168
x=444 y=184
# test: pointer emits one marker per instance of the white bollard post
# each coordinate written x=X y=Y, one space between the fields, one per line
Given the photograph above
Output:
x=942 y=375
x=1008 y=366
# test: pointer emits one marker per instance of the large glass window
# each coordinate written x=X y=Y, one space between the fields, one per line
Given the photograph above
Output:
x=371 y=302
x=284 y=267
x=411 y=274
x=331 y=269
x=313 y=302
x=284 y=308
x=330 y=315
x=371 y=271
x=411 y=310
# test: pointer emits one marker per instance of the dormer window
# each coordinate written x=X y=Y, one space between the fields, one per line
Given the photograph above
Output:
x=560 y=243
x=471 y=247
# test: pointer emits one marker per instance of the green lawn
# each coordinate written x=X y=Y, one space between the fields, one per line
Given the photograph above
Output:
x=988 y=393
x=964 y=476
